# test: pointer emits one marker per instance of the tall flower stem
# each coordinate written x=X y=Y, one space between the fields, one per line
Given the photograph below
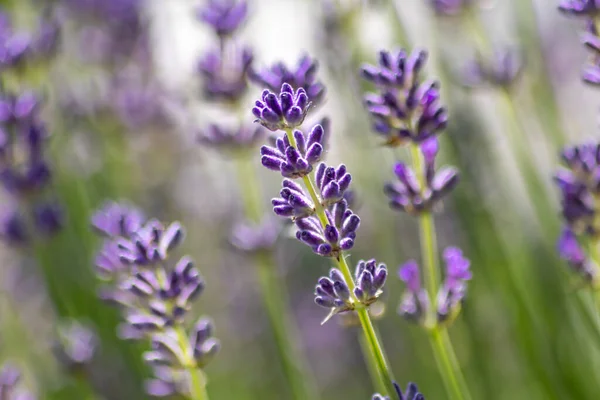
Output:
x=440 y=342
x=197 y=379
x=372 y=341
x=276 y=302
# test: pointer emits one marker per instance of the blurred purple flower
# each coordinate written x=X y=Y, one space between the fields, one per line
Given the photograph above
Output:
x=76 y=345
x=252 y=237
x=303 y=75
x=502 y=70
x=454 y=287
x=415 y=302
x=225 y=77
x=224 y=16
x=224 y=139
x=9 y=380
x=587 y=8
x=117 y=219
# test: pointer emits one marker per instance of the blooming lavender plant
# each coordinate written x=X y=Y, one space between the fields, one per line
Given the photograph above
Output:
x=322 y=217
x=9 y=381
x=407 y=112
x=155 y=296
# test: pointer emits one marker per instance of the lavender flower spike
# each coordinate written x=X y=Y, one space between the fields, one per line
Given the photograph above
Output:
x=404 y=109
x=295 y=161
x=333 y=293
x=415 y=302
x=570 y=251
x=370 y=278
x=412 y=393
x=454 y=288
x=224 y=16
x=284 y=111
x=225 y=79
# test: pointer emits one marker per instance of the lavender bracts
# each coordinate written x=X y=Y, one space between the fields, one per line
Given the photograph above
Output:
x=412 y=393
x=578 y=184
x=155 y=295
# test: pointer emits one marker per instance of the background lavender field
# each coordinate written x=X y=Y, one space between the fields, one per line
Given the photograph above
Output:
x=125 y=104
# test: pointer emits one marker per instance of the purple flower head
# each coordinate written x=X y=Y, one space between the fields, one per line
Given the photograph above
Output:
x=117 y=219
x=224 y=138
x=415 y=302
x=333 y=293
x=370 y=278
x=293 y=202
x=450 y=7
x=295 y=161
x=284 y=111
x=13 y=227
x=303 y=75
x=151 y=243
x=570 y=251
x=223 y=16
x=408 y=195
x=47 y=38
x=502 y=70
x=10 y=377
x=337 y=236
x=48 y=217
x=587 y=8
x=225 y=79
x=14 y=49
x=454 y=288
x=76 y=345
x=579 y=183
x=332 y=183
x=404 y=109
x=412 y=393
x=251 y=237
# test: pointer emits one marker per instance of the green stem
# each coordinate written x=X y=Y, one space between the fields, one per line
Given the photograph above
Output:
x=197 y=381
x=374 y=346
x=284 y=328
x=442 y=346
x=372 y=366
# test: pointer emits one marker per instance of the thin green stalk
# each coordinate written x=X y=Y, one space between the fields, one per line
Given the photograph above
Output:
x=442 y=346
x=284 y=329
x=373 y=343
x=198 y=381
x=372 y=367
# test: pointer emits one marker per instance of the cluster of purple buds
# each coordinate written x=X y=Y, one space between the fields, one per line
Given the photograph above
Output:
x=451 y=7
x=415 y=304
x=18 y=49
x=502 y=70
x=255 y=237
x=302 y=76
x=223 y=16
x=76 y=345
x=226 y=139
x=295 y=161
x=412 y=393
x=409 y=194
x=404 y=109
x=588 y=10
x=224 y=70
x=9 y=380
x=284 y=111
x=579 y=189
x=333 y=293
x=154 y=297
x=24 y=170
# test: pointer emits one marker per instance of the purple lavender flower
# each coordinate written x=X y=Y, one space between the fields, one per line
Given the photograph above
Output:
x=409 y=195
x=412 y=393
x=251 y=237
x=293 y=202
x=404 y=109
x=295 y=161
x=225 y=78
x=502 y=70
x=117 y=219
x=13 y=227
x=303 y=75
x=224 y=16
x=284 y=111
x=570 y=251
x=415 y=302
x=586 y=8
x=9 y=380
x=332 y=183
x=337 y=236
x=76 y=345
x=453 y=290
x=226 y=139
x=333 y=293
x=154 y=295
x=370 y=278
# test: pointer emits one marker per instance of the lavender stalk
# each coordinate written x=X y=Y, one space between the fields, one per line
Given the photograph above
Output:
x=226 y=71
x=406 y=111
